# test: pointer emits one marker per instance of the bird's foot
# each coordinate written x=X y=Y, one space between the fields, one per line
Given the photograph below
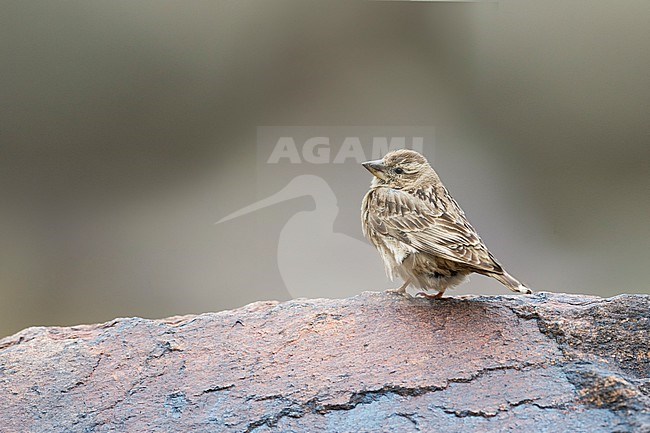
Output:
x=428 y=296
x=399 y=291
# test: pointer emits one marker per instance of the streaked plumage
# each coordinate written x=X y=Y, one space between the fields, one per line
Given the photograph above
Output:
x=420 y=231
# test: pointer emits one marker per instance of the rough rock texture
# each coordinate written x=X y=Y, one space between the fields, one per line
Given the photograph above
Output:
x=375 y=362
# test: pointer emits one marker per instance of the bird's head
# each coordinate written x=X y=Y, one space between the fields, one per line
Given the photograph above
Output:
x=400 y=169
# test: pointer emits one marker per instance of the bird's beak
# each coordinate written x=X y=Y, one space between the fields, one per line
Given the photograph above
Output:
x=377 y=168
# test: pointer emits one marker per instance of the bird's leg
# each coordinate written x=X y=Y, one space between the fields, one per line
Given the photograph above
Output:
x=428 y=296
x=402 y=289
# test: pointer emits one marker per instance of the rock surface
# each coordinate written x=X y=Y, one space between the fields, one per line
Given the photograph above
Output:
x=374 y=362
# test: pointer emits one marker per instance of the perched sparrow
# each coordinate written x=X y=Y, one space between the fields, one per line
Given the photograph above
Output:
x=420 y=231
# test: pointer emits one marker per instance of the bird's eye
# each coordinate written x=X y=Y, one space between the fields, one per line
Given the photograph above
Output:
x=399 y=170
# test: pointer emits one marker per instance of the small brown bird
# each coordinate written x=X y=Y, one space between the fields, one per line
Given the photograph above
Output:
x=420 y=231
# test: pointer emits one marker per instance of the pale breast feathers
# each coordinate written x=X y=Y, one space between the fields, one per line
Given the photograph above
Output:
x=430 y=223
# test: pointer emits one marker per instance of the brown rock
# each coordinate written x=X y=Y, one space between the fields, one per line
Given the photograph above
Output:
x=375 y=362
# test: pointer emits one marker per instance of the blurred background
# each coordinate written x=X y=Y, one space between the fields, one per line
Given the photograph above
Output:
x=128 y=128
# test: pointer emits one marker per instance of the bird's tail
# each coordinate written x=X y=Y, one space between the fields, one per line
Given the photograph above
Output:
x=511 y=283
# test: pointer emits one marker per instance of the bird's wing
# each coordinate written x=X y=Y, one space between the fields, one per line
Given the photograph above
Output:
x=432 y=222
